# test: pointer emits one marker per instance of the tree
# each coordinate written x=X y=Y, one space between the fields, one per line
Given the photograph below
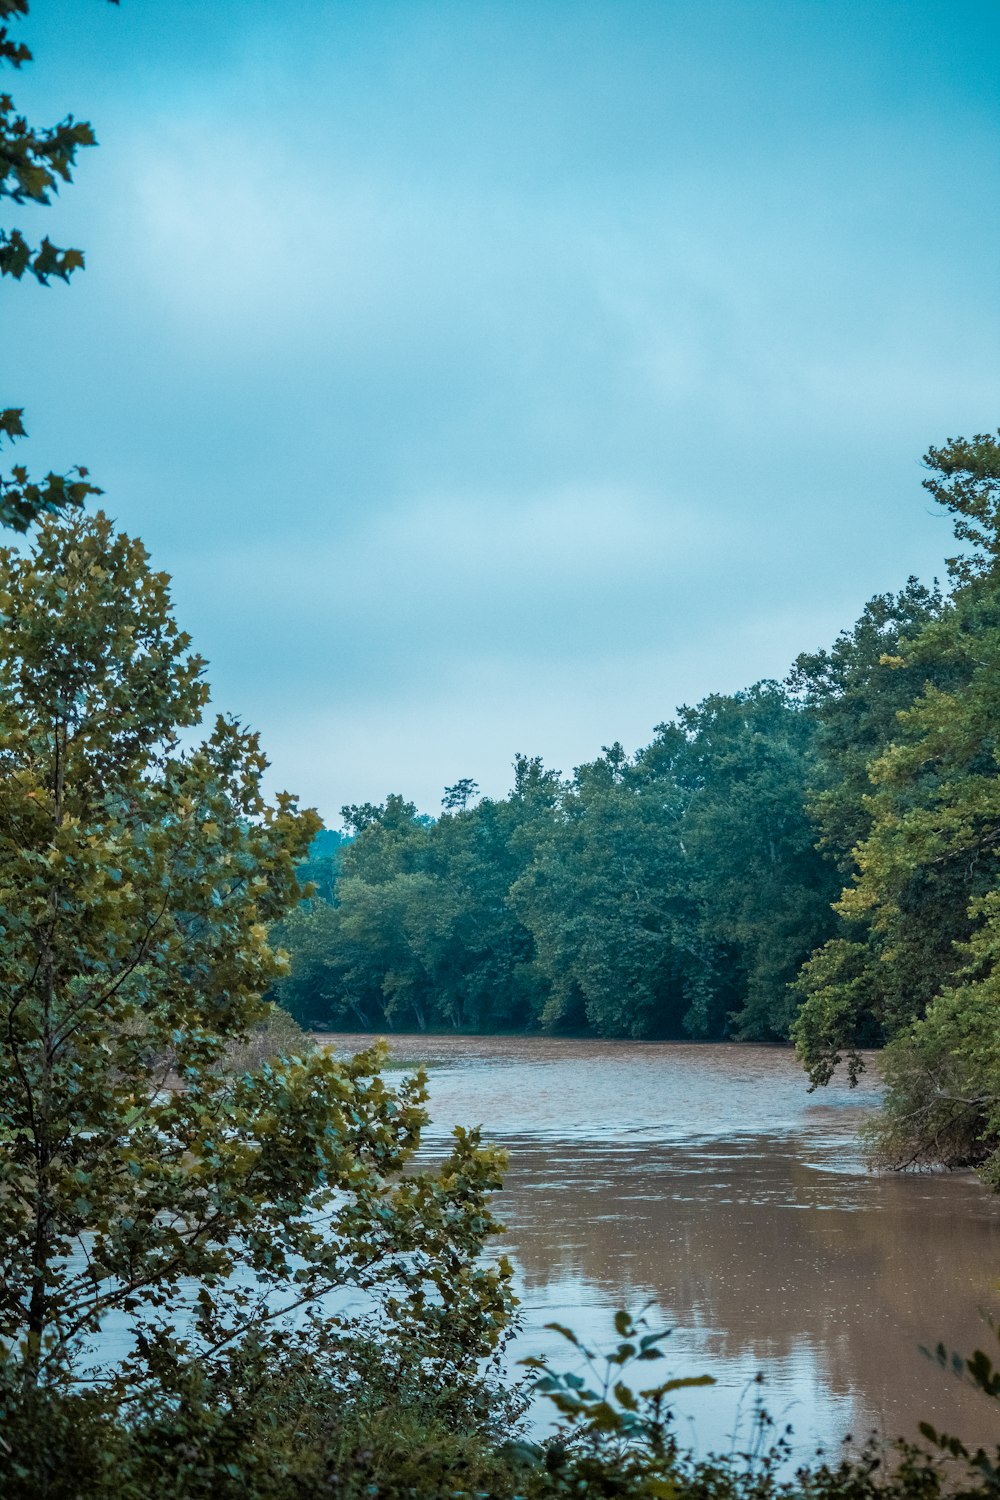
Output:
x=486 y=971
x=927 y=867
x=138 y=881
x=606 y=900
x=762 y=889
x=677 y=891
x=421 y=932
x=319 y=869
x=674 y=892
x=33 y=163
x=942 y=1072
x=854 y=693
x=457 y=798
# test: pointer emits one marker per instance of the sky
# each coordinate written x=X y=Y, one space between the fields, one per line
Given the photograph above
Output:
x=494 y=376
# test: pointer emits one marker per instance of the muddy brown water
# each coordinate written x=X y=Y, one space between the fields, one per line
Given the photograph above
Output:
x=708 y=1181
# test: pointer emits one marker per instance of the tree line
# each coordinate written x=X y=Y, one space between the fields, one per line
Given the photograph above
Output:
x=812 y=860
x=676 y=892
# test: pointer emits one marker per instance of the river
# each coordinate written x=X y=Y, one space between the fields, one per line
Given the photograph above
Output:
x=707 y=1180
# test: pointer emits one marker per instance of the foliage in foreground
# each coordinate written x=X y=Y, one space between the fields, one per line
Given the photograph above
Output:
x=172 y=1168
x=344 y=1419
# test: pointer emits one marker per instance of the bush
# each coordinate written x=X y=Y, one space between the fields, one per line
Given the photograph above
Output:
x=352 y=1417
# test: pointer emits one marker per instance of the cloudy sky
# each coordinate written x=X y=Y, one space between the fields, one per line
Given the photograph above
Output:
x=495 y=375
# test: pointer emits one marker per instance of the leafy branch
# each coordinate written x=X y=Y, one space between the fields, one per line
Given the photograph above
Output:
x=34 y=163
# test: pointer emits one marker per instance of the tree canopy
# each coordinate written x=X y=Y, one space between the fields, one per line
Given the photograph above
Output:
x=670 y=893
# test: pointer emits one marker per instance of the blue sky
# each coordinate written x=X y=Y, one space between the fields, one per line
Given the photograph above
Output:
x=494 y=377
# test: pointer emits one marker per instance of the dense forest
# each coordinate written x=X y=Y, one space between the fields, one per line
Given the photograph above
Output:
x=810 y=860
x=671 y=893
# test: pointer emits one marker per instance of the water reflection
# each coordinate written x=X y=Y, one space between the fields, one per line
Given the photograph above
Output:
x=707 y=1180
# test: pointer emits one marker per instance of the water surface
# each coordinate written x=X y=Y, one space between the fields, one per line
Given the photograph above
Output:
x=708 y=1181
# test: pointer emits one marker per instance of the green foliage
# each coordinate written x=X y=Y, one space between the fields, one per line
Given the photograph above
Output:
x=666 y=894
x=927 y=860
x=963 y=477
x=421 y=932
x=457 y=798
x=277 y=1034
x=138 y=883
x=854 y=693
x=604 y=900
x=677 y=891
x=763 y=890
x=311 y=937
x=272 y=1420
x=614 y=1440
x=318 y=871
x=981 y=1467
x=599 y=1409
x=34 y=163
x=942 y=1073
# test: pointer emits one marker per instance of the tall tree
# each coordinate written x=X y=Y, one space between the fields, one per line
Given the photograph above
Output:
x=137 y=885
x=457 y=798
x=929 y=858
